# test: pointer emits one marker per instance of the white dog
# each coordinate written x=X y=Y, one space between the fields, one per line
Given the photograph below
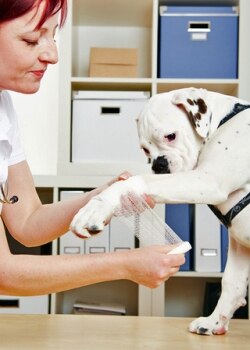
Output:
x=198 y=143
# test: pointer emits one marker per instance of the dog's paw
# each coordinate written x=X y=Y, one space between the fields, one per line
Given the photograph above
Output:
x=209 y=325
x=91 y=219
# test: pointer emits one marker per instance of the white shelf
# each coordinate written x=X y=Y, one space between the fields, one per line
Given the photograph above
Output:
x=131 y=23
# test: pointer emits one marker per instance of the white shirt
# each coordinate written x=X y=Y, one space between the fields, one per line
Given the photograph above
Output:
x=11 y=151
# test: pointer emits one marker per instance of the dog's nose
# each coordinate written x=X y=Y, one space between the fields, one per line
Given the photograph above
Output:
x=160 y=166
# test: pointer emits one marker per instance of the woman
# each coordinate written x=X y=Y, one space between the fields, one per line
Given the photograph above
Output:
x=27 y=30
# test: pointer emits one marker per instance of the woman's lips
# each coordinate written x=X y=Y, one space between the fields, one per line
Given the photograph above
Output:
x=38 y=73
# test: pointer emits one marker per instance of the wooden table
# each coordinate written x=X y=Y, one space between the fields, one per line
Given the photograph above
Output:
x=70 y=332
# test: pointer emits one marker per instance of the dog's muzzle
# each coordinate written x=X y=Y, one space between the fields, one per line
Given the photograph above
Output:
x=160 y=166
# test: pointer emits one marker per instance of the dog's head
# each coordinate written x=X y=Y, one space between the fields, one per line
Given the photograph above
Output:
x=172 y=128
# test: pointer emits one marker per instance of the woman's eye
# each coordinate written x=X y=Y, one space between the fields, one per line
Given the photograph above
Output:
x=31 y=42
x=170 y=137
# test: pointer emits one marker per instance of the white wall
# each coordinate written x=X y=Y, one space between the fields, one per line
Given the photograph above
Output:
x=38 y=119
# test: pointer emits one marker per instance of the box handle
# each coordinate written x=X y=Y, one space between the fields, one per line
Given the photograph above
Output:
x=110 y=110
x=199 y=30
x=199 y=27
x=209 y=252
x=6 y=303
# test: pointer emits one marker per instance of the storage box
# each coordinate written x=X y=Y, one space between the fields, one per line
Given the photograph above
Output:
x=113 y=62
x=24 y=305
x=104 y=127
x=198 y=42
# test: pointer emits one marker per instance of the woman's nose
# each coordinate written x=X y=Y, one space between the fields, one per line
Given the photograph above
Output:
x=49 y=53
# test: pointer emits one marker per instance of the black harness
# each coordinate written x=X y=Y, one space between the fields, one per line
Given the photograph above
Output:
x=228 y=217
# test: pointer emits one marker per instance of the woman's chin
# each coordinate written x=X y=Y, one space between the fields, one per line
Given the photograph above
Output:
x=28 y=89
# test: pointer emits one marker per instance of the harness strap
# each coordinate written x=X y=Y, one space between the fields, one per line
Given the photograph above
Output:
x=228 y=217
x=238 y=107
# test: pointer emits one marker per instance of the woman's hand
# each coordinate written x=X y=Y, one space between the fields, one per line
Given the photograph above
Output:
x=152 y=266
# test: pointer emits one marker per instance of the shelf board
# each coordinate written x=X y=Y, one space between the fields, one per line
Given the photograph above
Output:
x=199 y=274
x=111 y=83
x=226 y=86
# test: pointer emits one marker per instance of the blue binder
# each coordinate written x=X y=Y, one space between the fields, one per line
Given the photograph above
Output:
x=224 y=246
x=180 y=218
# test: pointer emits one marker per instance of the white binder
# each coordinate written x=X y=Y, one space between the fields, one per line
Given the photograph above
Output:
x=70 y=243
x=121 y=236
x=207 y=242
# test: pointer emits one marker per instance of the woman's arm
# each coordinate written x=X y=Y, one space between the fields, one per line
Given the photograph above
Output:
x=35 y=275
x=30 y=222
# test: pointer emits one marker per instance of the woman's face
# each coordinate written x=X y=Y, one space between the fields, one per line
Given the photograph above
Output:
x=25 y=52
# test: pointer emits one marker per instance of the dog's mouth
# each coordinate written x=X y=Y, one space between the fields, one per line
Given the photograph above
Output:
x=160 y=165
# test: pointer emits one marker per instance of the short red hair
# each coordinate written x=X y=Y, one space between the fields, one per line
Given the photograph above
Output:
x=11 y=9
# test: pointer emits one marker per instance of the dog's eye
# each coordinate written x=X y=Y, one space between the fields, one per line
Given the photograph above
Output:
x=170 y=137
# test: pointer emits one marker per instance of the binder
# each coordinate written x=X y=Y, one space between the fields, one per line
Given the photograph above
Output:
x=179 y=218
x=224 y=246
x=70 y=243
x=207 y=243
x=121 y=237
x=98 y=243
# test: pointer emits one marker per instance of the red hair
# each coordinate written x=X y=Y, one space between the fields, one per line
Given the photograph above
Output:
x=11 y=9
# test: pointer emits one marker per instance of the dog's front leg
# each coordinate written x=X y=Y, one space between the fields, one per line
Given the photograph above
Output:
x=195 y=186
x=234 y=288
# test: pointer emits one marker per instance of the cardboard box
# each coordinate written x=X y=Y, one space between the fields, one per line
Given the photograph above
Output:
x=113 y=62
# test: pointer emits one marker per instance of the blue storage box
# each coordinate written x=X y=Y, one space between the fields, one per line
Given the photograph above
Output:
x=198 y=42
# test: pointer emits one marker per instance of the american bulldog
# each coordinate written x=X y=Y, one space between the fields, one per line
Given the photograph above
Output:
x=198 y=144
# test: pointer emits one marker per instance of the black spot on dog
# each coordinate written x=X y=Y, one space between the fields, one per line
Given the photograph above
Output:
x=219 y=142
x=191 y=102
x=202 y=106
x=226 y=148
x=197 y=116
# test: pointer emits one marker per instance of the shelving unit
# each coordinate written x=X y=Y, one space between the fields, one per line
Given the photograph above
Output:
x=130 y=23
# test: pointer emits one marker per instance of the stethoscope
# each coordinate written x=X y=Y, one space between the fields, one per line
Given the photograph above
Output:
x=5 y=199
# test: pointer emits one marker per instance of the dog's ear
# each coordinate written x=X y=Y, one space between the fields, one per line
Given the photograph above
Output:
x=193 y=101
